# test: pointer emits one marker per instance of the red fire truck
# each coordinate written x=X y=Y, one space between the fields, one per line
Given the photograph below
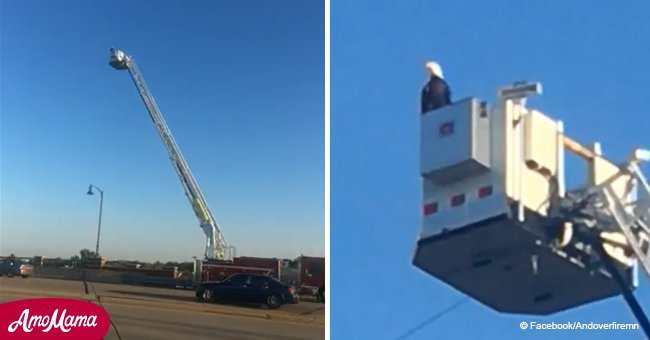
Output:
x=219 y=270
x=260 y=262
x=312 y=276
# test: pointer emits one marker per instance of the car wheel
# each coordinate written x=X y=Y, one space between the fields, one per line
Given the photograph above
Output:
x=198 y=295
x=208 y=295
x=320 y=297
x=24 y=276
x=273 y=301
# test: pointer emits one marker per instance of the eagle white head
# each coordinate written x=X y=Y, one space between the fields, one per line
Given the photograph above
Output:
x=433 y=68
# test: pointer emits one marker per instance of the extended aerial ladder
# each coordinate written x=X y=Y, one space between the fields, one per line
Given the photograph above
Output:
x=217 y=247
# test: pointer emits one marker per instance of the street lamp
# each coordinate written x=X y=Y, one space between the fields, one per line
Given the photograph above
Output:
x=101 y=204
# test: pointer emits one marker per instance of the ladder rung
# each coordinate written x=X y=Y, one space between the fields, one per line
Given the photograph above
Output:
x=624 y=220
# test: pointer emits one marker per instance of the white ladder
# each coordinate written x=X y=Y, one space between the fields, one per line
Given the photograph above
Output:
x=632 y=218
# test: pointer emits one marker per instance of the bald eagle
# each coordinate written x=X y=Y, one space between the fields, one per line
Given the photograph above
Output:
x=436 y=92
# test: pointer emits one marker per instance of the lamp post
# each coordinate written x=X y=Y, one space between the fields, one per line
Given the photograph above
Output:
x=101 y=204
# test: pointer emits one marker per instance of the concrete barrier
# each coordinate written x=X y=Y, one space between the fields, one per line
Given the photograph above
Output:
x=104 y=276
x=94 y=275
x=57 y=273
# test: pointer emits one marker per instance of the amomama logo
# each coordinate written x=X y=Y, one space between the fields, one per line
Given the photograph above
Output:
x=53 y=318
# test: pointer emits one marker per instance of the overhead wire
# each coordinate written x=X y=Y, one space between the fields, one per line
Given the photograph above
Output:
x=433 y=318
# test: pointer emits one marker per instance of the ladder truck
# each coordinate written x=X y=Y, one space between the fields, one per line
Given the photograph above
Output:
x=499 y=225
x=217 y=248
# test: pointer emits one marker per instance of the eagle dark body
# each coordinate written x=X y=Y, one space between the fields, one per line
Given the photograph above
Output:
x=435 y=94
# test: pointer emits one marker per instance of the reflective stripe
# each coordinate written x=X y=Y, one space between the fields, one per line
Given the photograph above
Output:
x=430 y=208
x=485 y=191
x=458 y=200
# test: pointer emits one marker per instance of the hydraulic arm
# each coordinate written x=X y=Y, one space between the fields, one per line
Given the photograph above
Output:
x=217 y=247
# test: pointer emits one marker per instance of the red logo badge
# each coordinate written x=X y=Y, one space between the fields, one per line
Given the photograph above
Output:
x=446 y=129
x=53 y=318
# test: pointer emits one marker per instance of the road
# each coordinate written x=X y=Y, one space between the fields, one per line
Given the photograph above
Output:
x=138 y=322
x=159 y=313
x=149 y=294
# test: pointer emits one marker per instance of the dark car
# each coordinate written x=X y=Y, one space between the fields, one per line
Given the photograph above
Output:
x=11 y=267
x=248 y=288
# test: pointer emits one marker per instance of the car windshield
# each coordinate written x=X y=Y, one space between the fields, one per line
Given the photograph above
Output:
x=274 y=280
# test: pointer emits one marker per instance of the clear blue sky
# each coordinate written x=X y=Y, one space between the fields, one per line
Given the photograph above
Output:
x=241 y=86
x=592 y=59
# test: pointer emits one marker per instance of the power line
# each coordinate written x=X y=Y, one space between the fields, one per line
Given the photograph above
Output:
x=433 y=318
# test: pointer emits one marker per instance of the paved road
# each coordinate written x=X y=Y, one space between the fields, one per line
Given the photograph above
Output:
x=138 y=322
x=136 y=292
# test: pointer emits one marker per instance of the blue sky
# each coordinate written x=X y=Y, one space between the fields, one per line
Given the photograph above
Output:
x=241 y=86
x=592 y=59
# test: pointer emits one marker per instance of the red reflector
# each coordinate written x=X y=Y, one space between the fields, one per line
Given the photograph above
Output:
x=457 y=200
x=485 y=191
x=430 y=208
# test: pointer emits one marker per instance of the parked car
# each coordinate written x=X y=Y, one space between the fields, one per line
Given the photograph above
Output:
x=11 y=268
x=248 y=288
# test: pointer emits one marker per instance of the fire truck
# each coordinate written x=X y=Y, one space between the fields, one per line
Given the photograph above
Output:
x=219 y=270
x=312 y=276
x=307 y=274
